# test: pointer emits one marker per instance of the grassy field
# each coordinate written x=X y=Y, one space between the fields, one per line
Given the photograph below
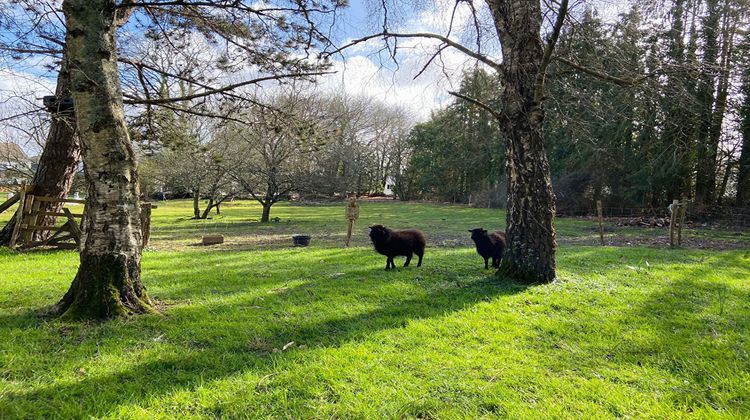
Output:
x=255 y=328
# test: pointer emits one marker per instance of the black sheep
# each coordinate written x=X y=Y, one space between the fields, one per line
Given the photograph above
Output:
x=489 y=245
x=391 y=243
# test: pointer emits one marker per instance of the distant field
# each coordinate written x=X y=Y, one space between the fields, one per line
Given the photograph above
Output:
x=445 y=226
x=256 y=328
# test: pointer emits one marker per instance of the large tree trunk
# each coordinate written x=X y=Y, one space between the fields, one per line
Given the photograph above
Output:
x=530 y=255
x=57 y=164
x=265 y=216
x=108 y=282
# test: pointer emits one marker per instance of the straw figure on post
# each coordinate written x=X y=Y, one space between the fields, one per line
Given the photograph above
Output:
x=352 y=214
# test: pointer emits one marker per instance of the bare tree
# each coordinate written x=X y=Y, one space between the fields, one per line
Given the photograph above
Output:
x=272 y=150
x=530 y=255
x=198 y=166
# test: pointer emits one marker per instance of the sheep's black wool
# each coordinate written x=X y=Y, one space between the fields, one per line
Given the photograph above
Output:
x=489 y=245
x=393 y=243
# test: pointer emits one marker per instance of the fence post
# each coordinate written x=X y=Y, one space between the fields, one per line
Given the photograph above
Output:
x=673 y=217
x=145 y=223
x=601 y=226
x=683 y=210
x=18 y=217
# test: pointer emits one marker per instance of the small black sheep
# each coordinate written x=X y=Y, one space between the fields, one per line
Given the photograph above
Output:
x=391 y=243
x=489 y=245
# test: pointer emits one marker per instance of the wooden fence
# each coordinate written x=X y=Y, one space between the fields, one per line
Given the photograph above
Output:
x=31 y=219
x=34 y=218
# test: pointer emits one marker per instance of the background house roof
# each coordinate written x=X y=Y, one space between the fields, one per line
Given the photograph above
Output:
x=11 y=152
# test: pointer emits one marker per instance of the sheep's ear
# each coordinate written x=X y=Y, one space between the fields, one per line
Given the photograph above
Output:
x=471 y=231
x=371 y=227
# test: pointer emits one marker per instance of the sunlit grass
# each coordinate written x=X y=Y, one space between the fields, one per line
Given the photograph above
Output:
x=256 y=328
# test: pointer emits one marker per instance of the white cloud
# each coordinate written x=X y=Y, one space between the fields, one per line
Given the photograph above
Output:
x=368 y=69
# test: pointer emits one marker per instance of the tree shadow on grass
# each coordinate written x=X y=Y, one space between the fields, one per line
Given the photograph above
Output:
x=195 y=344
x=699 y=334
x=687 y=327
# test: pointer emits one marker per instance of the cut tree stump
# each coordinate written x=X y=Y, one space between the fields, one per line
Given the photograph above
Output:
x=213 y=239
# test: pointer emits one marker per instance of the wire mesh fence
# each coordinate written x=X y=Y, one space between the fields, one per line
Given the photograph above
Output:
x=735 y=217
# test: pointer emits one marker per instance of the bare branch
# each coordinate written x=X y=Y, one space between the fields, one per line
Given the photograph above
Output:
x=550 y=47
x=468 y=51
x=478 y=103
x=141 y=101
x=598 y=74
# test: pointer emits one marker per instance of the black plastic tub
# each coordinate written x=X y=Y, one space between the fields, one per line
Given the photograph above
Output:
x=301 y=240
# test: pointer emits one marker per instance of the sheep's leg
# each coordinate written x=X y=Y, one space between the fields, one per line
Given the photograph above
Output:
x=408 y=260
x=419 y=263
x=485 y=263
x=495 y=263
x=389 y=263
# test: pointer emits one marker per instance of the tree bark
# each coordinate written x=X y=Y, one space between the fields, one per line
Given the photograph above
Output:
x=530 y=255
x=265 y=216
x=58 y=163
x=108 y=283
x=208 y=208
x=196 y=204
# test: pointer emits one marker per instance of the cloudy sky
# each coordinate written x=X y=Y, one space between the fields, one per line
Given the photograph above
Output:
x=365 y=69
x=369 y=69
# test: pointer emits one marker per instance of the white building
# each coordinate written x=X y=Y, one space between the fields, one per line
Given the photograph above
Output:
x=390 y=186
x=15 y=166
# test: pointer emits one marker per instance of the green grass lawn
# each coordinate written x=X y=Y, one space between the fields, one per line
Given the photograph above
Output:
x=255 y=328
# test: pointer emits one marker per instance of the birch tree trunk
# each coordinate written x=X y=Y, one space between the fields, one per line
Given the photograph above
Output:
x=530 y=255
x=108 y=282
x=59 y=160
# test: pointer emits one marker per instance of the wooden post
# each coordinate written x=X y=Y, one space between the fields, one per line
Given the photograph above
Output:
x=75 y=231
x=672 y=219
x=352 y=214
x=19 y=217
x=601 y=225
x=32 y=219
x=28 y=219
x=146 y=223
x=8 y=204
x=683 y=210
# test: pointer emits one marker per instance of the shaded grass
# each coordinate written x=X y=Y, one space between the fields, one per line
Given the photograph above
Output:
x=624 y=332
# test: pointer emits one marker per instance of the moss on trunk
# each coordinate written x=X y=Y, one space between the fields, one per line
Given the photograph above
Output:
x=106 y=286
